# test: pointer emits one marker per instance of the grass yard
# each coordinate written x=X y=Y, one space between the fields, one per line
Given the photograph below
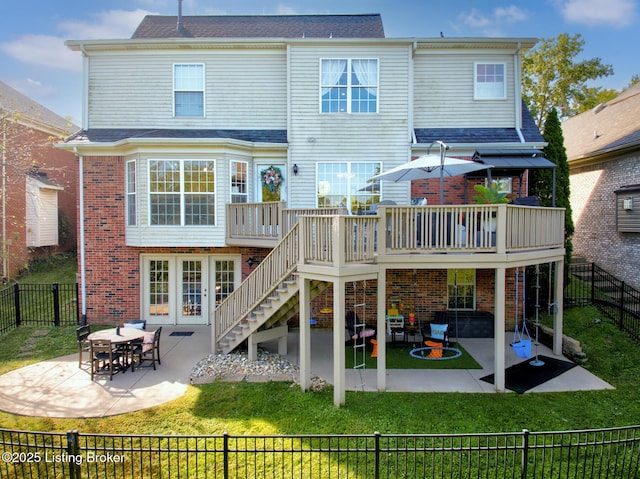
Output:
x=280 y=408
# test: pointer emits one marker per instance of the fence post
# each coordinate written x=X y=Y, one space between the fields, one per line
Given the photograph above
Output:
x=376 y=461
x=593 y=282
x=16 y=302
x=225 y=454
x=55 y=289
x=73 y=450
x=622 y=306
x=525 y=454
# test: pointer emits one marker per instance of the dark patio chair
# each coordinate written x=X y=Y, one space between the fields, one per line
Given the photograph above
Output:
x=83 y=343
x=147 y=350
x=105 y=360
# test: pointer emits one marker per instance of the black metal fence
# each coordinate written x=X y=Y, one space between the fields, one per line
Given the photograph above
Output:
x=590 y=284
x=38 y=304
x=598 y=453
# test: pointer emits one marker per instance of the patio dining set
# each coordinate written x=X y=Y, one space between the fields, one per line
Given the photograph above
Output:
x=116 y=350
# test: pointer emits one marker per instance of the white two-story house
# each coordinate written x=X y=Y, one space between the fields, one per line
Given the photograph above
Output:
x=224 y=159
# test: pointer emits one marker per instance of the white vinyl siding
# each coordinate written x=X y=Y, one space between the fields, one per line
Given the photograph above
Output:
x=139 y=87
x=41 y=214
x=315 y=137
x=444 y=91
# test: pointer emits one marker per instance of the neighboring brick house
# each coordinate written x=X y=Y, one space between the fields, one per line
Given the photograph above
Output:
x=39 y=193
x=603 y=148
x=206 y=138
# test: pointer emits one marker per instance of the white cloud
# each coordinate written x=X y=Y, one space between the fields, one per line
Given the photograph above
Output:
x=43 y=50
x=285 y=10
x=110 y=24
x=491 y=23
x=616 y=13
x=49 y=50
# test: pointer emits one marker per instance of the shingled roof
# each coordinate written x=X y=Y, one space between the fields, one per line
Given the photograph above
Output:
x=261 y=26
x=15 y=102
x=113 y=135
x=529 y=132
x=611 y=126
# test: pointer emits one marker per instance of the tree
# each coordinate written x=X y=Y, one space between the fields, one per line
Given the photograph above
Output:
x=541 y=185
x=541 y=181
x=552 y=79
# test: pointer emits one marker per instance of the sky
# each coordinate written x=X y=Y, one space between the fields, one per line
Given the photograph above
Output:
x=35 y=61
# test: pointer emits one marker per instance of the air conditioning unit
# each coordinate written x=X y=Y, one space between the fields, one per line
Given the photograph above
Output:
x=627 y=204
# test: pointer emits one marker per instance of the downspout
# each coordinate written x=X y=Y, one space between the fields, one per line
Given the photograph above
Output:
x=517 y=78
x=83 y=288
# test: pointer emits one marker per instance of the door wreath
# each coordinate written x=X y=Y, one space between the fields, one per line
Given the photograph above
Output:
x=272 y=178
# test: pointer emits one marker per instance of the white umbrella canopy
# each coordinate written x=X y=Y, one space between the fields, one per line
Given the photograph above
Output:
x=431 y=166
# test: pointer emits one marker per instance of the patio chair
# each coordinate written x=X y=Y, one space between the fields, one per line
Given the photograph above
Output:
x=147 y=350
x=438 y=330
x=105 y=360
x=83 y=343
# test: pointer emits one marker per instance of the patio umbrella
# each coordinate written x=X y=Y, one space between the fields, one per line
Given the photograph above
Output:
x=431 y=166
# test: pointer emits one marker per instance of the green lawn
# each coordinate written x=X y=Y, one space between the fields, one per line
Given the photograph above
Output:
x=279 y=408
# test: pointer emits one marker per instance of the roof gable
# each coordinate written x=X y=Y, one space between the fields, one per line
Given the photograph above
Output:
x=261 y=26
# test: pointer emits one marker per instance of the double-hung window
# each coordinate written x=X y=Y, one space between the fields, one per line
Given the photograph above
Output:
x=132 y=216
x=349 y=86
x=239 y=182
x=182 y=192
x=490 y=83
x=188 y=90
x=347 y=184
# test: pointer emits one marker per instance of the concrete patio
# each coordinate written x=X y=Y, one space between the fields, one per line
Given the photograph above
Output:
x=58 y=388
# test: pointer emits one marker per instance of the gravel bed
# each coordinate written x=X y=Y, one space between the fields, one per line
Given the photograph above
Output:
x=237 y=367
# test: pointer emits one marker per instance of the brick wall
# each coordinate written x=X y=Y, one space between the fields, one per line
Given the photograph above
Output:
x=593 y=203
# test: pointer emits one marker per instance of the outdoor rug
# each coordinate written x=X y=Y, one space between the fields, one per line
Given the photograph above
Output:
x=181 y=333
x=523 y=376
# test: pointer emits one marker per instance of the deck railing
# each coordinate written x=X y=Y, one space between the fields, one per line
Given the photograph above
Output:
x=342 y=240
x=264 y=224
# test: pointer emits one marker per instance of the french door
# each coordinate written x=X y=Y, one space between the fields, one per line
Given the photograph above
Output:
x=184 y=289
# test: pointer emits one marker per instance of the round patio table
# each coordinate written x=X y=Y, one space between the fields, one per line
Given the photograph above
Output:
x=126 y=335
x=122 y=339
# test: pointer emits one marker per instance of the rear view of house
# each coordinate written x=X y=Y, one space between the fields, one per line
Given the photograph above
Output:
x=224 y=161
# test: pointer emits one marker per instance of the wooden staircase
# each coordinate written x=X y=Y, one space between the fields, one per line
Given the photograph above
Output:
x=267 y=298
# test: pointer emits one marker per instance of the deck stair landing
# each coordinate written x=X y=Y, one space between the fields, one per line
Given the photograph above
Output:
x=267 y=298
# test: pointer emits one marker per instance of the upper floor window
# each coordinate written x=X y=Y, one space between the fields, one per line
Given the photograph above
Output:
x=346 y=184
x=132 y=219
x=238 y=182
x=188 y=89
x=182 y=192
x=349 y=86
x=490 y=81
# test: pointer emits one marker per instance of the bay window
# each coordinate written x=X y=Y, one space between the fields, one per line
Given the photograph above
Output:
x=182 y=192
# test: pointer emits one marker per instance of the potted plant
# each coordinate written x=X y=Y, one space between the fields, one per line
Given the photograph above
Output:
x=490 y=195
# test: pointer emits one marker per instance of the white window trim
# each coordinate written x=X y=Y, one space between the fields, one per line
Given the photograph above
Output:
x=131 y=196
x=475 y=81
x=231 y=193
x=182 y=193
x=349 y=87
x=204 y=93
